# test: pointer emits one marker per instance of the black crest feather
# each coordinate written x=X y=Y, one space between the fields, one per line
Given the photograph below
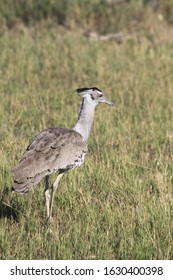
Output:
x=80 y=90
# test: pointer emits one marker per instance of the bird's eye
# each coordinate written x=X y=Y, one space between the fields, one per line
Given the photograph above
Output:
x=100 y=95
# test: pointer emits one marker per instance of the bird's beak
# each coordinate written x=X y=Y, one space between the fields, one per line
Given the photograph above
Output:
x=104 y=100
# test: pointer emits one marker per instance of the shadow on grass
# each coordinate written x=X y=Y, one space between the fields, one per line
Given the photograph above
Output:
x=7 y=211
x=10 y=207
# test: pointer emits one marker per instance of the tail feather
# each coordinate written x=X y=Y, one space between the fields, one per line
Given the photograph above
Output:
x=26 y=184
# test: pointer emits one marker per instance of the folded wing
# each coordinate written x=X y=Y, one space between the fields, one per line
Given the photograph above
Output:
x=53 y=149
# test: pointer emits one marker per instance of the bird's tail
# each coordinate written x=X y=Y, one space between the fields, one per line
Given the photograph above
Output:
x=26 y=184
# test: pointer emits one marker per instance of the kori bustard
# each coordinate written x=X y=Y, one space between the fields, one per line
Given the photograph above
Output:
x=57 y=150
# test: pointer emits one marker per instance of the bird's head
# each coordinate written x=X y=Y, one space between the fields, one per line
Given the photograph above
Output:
x=93 y=96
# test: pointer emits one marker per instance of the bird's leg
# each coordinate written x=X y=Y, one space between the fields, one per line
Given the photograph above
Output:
x=54 y=187
x=47 y=196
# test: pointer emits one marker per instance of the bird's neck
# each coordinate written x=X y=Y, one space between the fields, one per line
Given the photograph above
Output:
x=85 y=119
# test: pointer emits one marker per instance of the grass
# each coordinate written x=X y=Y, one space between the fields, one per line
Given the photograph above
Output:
x=99 y=15
x=118 y=205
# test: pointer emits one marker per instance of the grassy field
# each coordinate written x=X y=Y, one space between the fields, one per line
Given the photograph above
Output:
x=119 y=204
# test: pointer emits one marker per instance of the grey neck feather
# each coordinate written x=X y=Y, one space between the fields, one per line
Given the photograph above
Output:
x=85 y=119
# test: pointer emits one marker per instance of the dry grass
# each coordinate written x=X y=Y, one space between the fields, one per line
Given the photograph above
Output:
x=119 y=204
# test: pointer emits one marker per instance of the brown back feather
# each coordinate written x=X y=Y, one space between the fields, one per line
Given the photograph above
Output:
x=51 y=150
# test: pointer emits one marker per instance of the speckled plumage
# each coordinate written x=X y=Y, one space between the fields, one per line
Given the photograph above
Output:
x=57 y=150
x=53 y=149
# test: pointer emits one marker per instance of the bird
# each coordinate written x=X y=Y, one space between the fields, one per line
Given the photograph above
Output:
x=57 y=150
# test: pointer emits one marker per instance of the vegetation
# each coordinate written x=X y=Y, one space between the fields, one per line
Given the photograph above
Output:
x=100 y=15
x=119 y=204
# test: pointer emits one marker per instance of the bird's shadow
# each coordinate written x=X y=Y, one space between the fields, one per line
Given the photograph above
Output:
x=8 y=211
x=9 y=207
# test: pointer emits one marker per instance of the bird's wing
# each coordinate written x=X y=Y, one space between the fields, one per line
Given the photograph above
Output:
x=51 y=150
